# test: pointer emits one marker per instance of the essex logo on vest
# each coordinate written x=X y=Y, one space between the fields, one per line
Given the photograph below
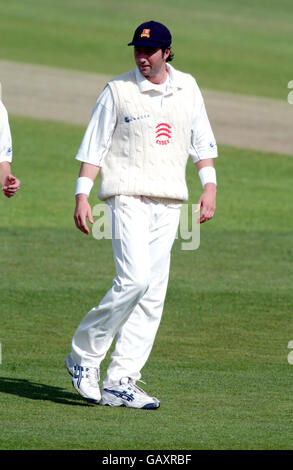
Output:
x=163 y=133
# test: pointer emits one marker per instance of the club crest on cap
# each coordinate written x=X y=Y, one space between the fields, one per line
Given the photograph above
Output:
x=145 y=33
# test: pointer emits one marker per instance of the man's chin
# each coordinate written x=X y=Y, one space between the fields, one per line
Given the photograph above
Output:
x=145 y=71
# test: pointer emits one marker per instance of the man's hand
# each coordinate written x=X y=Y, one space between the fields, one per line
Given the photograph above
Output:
x=82 y=212
x=207 y=203
x=10 y=186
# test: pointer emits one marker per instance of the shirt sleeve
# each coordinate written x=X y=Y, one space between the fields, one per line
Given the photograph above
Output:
x=203 y=144
x=98 y=135
x=5 y=136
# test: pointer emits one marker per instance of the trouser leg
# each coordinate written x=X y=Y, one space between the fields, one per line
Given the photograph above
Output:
x=96 y=331
x=135 y=338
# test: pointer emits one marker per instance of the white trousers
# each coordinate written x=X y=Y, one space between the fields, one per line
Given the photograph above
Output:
x=131 y=310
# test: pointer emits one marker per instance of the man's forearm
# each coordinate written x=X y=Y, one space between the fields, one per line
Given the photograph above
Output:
x=5 y=170
x=85 y=180
x=207 y=173
x=89 y=171
x=203 y=163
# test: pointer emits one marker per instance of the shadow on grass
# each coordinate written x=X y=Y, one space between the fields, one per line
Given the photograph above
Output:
x=36 y=391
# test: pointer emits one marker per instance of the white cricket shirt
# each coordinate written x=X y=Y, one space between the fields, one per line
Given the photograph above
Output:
x=98 y=135
x=5 y=136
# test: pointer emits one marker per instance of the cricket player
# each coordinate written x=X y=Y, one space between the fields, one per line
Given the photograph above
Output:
x=143 y=128
x=9 y=183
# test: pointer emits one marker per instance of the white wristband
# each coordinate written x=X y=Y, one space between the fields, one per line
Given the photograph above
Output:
x=207 y=174
x=83 y=185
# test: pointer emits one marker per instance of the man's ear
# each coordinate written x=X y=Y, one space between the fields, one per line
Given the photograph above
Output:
x=166 y=53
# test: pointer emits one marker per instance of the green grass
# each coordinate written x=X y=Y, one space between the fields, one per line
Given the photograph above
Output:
x=219 y=363
x=242 y=47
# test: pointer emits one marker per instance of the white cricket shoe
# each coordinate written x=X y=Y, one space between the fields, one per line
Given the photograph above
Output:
x=85 y=381
x=128 y=394
x=69 y=364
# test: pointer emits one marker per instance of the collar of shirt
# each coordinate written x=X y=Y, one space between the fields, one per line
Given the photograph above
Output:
x=166 y=88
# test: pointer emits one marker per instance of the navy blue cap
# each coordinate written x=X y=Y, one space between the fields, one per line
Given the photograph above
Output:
x=151 y=34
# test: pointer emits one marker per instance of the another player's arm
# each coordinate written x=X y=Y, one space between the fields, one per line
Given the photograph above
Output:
x=9 y=183
x=82 y=208
x=5 y=170
x=207 y=201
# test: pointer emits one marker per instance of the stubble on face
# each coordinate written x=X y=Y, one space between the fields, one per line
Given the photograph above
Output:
x=151 y=63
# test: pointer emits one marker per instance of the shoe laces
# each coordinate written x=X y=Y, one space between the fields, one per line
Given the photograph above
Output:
x=136 y=387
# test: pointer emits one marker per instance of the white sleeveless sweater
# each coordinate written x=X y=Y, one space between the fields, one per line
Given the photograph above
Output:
x=150 y=146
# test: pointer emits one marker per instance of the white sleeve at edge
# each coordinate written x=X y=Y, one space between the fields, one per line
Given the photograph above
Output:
x=98 y=135
x=5 y=136
x=203 y=144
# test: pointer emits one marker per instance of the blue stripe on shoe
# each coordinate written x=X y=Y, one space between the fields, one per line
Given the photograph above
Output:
x=78 y=374
x=124 y=395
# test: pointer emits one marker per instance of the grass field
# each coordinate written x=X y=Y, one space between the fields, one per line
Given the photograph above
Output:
x=219 y=364
x=242 y=47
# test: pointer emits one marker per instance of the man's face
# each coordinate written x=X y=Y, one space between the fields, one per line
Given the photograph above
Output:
x=151 y=61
